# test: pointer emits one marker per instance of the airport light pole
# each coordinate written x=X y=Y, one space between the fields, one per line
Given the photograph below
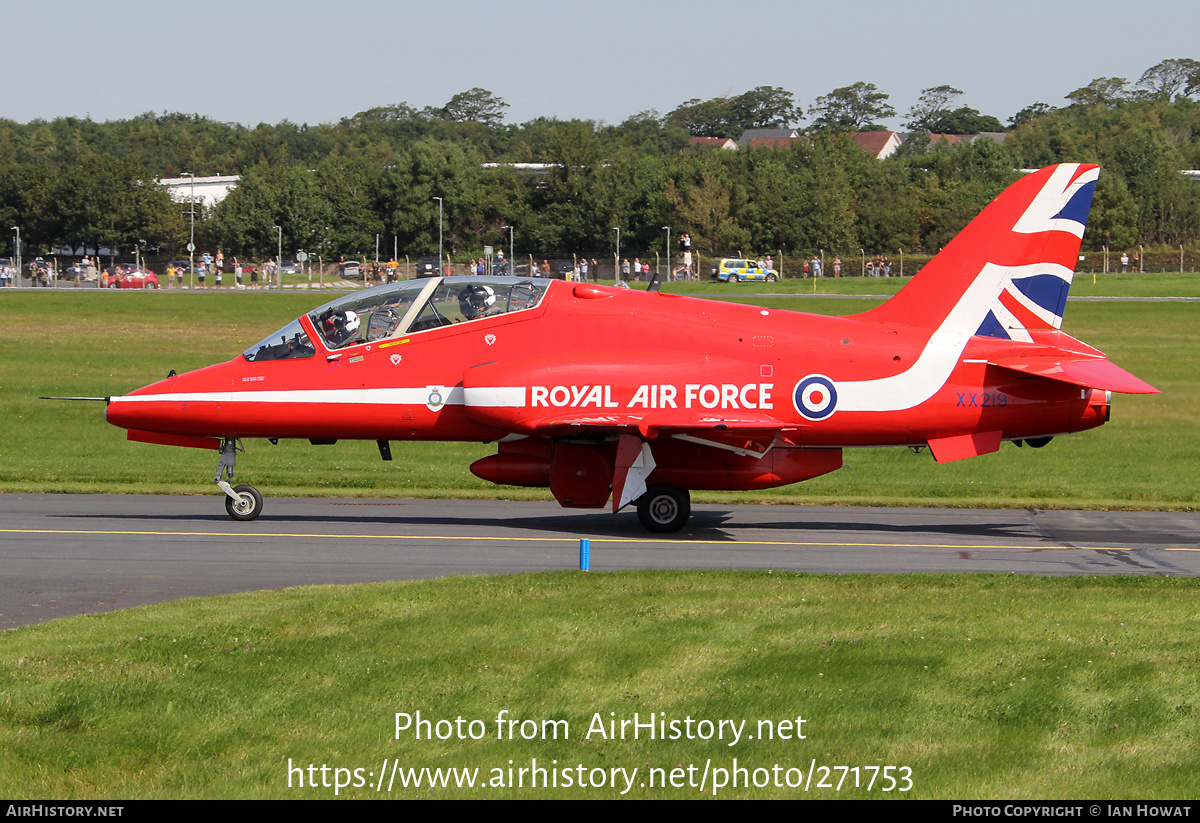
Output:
x=668 y=228
x=512 y=260
x=17 y=252
x=439 y=234
x=192 y=232
x=617 y=259
x=279 y=258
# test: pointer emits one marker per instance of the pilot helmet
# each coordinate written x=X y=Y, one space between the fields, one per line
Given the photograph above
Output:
x=340 y=326
x=476 y=300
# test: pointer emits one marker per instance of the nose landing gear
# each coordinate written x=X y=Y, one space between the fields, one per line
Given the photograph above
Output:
x=247 y=505
x=242 y=502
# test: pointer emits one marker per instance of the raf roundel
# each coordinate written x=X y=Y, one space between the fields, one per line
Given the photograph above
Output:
x=815 y=397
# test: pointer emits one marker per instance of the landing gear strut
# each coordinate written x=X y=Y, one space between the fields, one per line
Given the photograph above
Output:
x=664 y=508
x=242 y=502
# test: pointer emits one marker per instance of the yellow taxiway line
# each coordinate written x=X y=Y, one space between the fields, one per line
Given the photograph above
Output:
x=635 y=540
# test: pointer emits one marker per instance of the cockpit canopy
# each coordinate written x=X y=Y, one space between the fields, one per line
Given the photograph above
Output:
x=402 y=308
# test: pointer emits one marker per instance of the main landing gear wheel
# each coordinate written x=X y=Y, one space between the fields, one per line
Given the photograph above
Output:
x=664 y=508
x=249 y=503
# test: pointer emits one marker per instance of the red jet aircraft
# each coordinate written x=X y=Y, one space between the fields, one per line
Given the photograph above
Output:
x=599 y=392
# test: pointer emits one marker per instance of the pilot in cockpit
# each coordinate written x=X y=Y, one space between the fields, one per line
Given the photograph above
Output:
x=477 y=300
x=339 y=327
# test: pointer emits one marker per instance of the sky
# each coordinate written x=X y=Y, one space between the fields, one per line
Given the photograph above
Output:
x=265 y=61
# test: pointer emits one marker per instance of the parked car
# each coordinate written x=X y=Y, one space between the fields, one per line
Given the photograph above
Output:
x=131 y=279
x=230 y=268
x=429 y=267
x=734 y=270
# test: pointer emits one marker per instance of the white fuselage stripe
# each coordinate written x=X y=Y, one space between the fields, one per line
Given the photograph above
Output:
x=933 y=368
x=450 y=395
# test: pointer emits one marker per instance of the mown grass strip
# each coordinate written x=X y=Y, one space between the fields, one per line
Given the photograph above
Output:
x=985 y=686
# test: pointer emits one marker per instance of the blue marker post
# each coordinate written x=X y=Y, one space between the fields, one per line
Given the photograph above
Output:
x=585 y=550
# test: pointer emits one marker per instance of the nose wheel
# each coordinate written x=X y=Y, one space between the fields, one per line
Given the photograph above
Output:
x=247 y=504
x=242 y=502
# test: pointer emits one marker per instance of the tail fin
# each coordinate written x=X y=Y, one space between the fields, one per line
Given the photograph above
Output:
x=1010 y=269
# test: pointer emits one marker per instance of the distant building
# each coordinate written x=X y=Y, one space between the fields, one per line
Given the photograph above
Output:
x=714 y=142
x=540 y=169
x=878 y=144
x=995 y=136
x=750 y=135
x=950 y=139
x=209 y=191
x=772 y=142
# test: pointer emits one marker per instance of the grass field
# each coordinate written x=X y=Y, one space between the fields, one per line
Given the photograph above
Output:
x=998 y=687
x=98 y=344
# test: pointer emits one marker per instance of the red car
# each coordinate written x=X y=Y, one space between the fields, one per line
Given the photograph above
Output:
x=132 y=279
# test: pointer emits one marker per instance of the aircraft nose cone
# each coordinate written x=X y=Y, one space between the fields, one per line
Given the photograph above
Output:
x=182 y=404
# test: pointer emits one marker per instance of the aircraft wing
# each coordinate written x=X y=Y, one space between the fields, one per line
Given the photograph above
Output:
x=745 y=425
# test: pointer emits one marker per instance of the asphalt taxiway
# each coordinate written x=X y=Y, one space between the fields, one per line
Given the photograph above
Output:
x=63 y=555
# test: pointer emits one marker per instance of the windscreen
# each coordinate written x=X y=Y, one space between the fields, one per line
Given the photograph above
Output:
x=396 y=309
x=420 y=305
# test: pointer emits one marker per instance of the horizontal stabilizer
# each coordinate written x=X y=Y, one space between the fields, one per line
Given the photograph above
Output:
x=1091 y=373
x=946 y=449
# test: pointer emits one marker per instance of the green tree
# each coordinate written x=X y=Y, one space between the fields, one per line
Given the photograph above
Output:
x=404 y=204
x=851 y=108
x=964 y=120
x=269 y=195
x=1030 y=113
x=932 y=105
x=107 y=201
x=707 y=195
x=477 y=105
x=704 y=118
x=26 y=201
x=1113 y=221
x=763 y=107
x=1103 y=91
x=1164 y=80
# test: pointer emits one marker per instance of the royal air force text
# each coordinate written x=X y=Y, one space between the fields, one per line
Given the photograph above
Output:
x=656 y=396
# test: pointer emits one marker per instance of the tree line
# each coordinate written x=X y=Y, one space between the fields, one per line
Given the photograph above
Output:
x=334 y=188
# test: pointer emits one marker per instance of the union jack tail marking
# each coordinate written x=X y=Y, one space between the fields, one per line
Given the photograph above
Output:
x=1010 y=269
